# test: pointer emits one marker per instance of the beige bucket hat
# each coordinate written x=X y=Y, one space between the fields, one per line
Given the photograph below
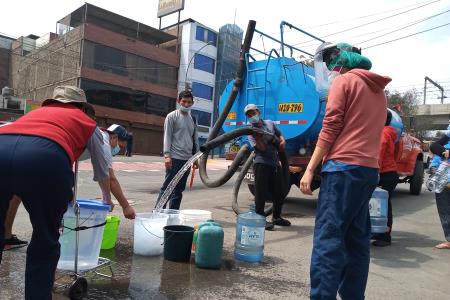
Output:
x=69 y=94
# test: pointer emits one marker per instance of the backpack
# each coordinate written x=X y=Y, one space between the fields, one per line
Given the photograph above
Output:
x=194 y=144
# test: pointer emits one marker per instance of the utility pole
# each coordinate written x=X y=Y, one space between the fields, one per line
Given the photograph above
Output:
x=438 y=86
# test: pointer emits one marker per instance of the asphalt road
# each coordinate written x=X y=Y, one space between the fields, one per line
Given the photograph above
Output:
x=409 y=269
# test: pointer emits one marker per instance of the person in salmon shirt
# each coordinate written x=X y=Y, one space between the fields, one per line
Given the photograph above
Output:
x=348 y=147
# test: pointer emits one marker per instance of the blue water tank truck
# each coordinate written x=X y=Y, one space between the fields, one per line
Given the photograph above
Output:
x=284 y=90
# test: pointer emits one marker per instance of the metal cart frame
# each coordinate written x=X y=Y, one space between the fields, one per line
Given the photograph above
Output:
x=78 y=286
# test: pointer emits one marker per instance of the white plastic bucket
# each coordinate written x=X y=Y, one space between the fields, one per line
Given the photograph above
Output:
x=193 y=217
x=173 y=215
x=149 y=234
x=91 y=213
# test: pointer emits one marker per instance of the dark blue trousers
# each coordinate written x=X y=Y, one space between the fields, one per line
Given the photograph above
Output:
x=341 y=250
x=38 y=171
x=177 y=194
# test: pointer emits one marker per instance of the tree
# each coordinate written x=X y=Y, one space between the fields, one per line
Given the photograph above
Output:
x=408 y=102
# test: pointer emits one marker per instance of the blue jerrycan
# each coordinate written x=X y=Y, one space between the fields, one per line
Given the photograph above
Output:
x=250 y=229
x=378 y=207
x=208 y=251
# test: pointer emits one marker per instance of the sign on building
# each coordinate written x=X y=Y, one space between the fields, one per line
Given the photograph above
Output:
x=31 y=105
x=167 y=7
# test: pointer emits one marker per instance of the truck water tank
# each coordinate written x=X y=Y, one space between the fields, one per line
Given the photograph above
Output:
x=284 y=90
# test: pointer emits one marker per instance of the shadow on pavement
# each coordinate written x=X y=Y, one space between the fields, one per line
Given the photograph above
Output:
x=402 y=253
x=403 y=203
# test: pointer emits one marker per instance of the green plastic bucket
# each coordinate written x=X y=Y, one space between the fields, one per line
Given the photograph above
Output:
x=110 y=233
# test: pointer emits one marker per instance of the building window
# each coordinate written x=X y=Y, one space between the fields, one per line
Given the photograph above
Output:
x=204 y=63
x=212 y=37
x=100 y=93
x=205 y=35
x=122 y=63
x=110 y=60
x=203 y=118
x=202 y=90
x=200 y=34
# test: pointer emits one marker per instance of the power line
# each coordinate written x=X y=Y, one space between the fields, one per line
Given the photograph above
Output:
x=401 y=28
x=406 y=36
x=366 y=16
x=372 y=22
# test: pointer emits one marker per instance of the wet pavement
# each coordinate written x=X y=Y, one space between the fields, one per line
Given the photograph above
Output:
x=409 y=269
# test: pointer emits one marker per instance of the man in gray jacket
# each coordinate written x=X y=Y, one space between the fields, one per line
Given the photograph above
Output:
x=180 y=143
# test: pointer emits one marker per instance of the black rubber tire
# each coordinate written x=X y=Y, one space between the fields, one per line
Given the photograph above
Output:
x=415 y=185
x=78 y=289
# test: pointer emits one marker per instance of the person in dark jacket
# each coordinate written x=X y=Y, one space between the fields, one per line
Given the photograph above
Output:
x=37 y=153
x=443 y=198
x=388 y=176
x=266 y=167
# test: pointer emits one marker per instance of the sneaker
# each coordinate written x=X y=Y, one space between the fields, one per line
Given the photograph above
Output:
x=381 y=243
x=14 y=243
x=281 y=222
x=269 y=226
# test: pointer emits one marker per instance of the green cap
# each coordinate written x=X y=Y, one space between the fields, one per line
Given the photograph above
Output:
x=349 y=57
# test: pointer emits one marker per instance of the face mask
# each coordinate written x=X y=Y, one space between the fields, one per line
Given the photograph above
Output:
x=333 y=74
x=115 y=150
x=185 y=109
x=254 y=119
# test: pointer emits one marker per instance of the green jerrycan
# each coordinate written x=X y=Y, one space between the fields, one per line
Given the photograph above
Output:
x=208 y=252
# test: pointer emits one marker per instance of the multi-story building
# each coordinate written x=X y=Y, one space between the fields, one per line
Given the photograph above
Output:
x=198 y=57
x=127 y=72
x=229 y=49
x=5 y=59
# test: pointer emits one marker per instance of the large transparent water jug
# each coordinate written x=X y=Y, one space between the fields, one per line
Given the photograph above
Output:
x=378 y=210
x=250 y=228
x=439 y=180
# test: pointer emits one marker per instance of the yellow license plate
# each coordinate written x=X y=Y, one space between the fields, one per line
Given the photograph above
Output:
x=234 y=149
x=290 y=107
x=231 y=116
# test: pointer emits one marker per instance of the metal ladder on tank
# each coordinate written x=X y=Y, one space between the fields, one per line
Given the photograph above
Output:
x=254 y=87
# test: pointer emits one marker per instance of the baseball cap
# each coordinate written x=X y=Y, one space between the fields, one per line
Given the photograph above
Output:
x=68 y=94
x=250 y=107
x=119 y=130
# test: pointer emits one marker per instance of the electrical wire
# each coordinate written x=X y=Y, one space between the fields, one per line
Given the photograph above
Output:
x=366 y=16
x=401 y=28
x=406 y=36
x=372 y=22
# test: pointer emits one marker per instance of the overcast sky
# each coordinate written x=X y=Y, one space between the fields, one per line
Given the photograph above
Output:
x=407 y=61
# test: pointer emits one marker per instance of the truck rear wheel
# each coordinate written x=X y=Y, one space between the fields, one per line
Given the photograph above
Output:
x=415 y=185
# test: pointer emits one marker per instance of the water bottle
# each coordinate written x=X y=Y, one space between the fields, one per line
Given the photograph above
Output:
x=438 y=181
x=378 y=210
x=250 y=229
x=208 y=253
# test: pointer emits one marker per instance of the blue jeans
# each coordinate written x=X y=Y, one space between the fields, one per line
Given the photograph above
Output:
x=341 y=249
x=39 y=172
x=177 y=194
x=443 y=207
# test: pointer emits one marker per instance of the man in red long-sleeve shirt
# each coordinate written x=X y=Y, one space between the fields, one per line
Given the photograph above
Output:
x=348 y=145
x=388 y=176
